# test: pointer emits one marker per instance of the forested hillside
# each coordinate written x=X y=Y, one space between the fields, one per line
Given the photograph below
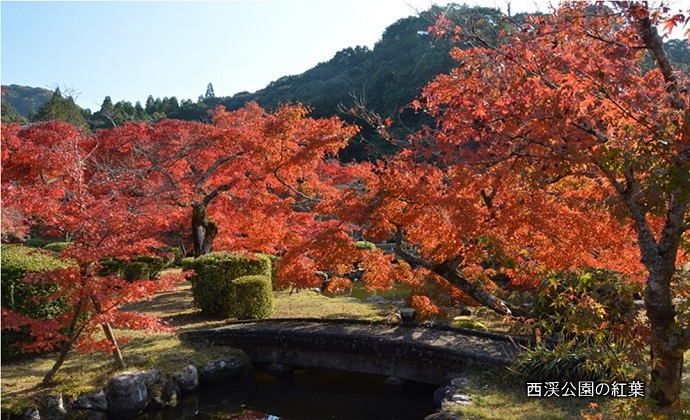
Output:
x=24 y=99
x=385 y=79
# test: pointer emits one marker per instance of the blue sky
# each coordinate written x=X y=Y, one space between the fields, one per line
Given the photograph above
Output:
x=129 y=50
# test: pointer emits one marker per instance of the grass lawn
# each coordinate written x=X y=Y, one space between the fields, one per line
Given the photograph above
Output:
x=164 y=351
x=494 y=394
x=497 y=396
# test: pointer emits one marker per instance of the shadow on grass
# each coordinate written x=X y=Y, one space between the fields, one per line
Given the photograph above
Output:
x=167 y=303
x=496 y=395
x=193 y=320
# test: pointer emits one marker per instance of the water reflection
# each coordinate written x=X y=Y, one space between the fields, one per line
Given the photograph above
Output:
x=310 y=394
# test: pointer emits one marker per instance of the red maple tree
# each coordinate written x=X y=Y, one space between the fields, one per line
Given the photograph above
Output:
x=244 y=178
x=55 y=175
x=557 y=147
x=562 y=146
x=250 y=178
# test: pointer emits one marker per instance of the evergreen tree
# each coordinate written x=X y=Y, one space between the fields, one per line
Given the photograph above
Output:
x=170 y=106
x=106 y=117
x=209 y=91
x=112 y=115
x=150 y=105
x=140 y=112
x=59 y=108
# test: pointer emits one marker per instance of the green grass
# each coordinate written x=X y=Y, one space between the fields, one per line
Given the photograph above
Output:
x=82 y=373
x=496 y=396
x=308 y=304
x=163 y=351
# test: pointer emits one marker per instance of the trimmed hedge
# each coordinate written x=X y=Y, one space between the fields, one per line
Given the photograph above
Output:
x=251 y=297
x=213 y=287
x=275 y=260
x=17 y=261
x=231 y=264
x=176 y=255
x=136 y=270
x=39 y=242
x=141 y=268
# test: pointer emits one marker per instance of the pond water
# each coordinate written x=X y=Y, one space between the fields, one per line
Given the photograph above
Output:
x=311 y=394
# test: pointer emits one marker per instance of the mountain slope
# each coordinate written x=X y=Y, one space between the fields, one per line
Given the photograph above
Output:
x=25 y=99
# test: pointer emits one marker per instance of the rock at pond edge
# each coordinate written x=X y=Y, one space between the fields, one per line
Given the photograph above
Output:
x=126 y=394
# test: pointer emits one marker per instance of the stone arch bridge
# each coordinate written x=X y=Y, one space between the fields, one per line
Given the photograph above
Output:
x=408 y=351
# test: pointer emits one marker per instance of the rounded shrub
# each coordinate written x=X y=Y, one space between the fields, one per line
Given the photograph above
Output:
x=251 y=297
x=212 y=283
x=187 y=263
x=38 y=242
x=154 y=265
x=136 y=270
x=16 y=262
x=176 y=256
x=140 y=268
x=110 y=266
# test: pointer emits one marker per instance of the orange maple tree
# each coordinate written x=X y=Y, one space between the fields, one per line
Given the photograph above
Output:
x=558 y=146
x=244 y=178
x=55 y=176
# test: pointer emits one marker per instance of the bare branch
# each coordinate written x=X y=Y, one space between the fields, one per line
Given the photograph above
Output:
x=293 y=189
x=217 y=164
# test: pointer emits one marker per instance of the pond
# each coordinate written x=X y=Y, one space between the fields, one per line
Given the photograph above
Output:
x=396 y=293
x=311 y=394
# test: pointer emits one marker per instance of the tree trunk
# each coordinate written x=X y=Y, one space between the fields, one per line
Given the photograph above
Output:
x=667 y=370
x=64 y=350
x=110 y=335
x=117 y=354
x=666 y=358
x=203 y=230
x=72 y=334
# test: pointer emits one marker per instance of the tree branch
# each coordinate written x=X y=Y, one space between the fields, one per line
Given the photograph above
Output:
x=293 y=189
x=449 y=271
x=213 y=194
x=217 y=164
